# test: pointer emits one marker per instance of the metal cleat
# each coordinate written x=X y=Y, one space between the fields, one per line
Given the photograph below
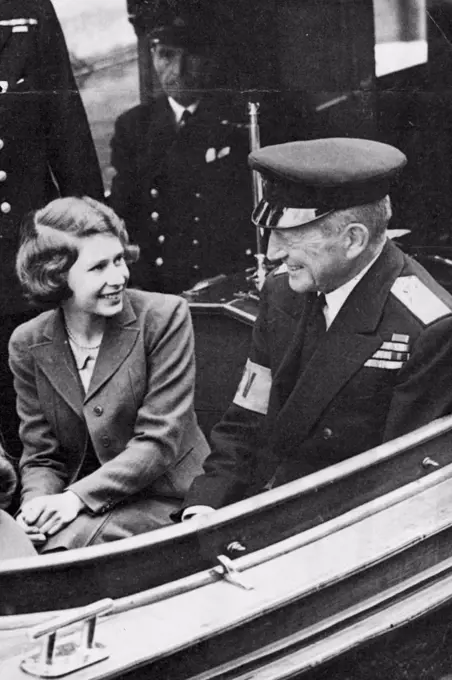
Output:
x=235 y=546
x=55 y=660
x=231 y=574
x=429 y=463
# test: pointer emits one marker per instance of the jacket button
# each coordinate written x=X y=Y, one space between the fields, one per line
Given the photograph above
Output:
x=196 y=219
x=197 y=194
x=5 y=207
x=195 y=242
x=98 y=410
x=154 y=192
x=2 y=144
x=3 y=175
x=161 y=239
x=155 y=216
x=196 y=266
x=159 y=261
x=327 y=433
x=105 y=439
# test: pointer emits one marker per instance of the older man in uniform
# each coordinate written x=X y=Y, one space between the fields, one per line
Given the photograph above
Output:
x=46 y=147
x=352 y=346
x=182 y=184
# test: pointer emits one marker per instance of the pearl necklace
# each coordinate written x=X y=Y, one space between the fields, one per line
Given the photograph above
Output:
x=71 y=337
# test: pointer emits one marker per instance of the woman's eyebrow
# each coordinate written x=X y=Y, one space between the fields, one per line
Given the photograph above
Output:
x=95 y=262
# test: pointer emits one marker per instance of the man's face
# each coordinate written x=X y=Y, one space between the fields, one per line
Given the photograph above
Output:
x=316 y=260
x=183 y=75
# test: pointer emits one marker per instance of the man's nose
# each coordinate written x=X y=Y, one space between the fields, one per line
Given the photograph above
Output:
x=178 y=64
x=275 y=250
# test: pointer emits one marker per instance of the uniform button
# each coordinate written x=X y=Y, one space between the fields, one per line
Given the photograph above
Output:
x=196 y=266
x=155 y=216
x=327 y=433
x=3 y=175
x=159 y=261
x=105 y=440
x=154 y=192
x=5 y=207
x=2 y=144
x=195 y=242
x=161 y=239
x=196 y=219
x=98 y=410
x=248 y=251
x=197 y=194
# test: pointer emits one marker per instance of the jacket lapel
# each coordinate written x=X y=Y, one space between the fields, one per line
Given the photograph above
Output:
x=54 y=357
x=119 y=339
x=352 y=338
x=295 y=325
x=162 y=133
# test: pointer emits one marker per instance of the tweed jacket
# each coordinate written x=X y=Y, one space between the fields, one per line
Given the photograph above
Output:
x=185 y=194
x=138 y=411
x=383 y=369
x=46 y=147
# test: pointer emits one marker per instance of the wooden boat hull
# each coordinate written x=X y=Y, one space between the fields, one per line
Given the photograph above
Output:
x=315 y=597
x=116 y=570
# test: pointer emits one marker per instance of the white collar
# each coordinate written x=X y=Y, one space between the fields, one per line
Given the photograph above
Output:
x=336 y=298
x=178 y=109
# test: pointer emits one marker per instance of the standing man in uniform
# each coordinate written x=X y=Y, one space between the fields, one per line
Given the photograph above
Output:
x=352 y=346
x=46 y=148
x=183 y=186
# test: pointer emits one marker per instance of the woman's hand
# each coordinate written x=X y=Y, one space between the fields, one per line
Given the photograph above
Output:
x=49 y=514
x=33 y=533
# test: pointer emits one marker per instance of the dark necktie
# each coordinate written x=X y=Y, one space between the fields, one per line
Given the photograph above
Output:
x=315 y=329
x=184 y=119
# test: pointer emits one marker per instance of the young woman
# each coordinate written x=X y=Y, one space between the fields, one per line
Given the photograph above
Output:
x=104 y=385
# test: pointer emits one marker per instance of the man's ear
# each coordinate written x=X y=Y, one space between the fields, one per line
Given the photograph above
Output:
x=356 y=239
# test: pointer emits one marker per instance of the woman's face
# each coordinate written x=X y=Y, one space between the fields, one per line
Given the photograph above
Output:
x=99 y=276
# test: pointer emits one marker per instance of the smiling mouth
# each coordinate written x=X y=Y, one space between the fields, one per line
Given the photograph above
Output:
x=111 y=296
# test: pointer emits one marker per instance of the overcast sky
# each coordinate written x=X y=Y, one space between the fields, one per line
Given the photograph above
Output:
x=94 y=27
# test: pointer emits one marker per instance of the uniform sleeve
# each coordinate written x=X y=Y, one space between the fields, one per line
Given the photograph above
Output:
x=160 y=422
x=42 y=468
x=424 y=388
x=71 y=153
x=237 y=439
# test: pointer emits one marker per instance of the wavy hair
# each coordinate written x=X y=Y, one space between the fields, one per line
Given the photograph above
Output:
x=49 y=245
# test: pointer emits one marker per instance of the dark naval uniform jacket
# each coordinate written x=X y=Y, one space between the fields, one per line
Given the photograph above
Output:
x=383 y=368
x=185 y=193
x=46 y=147
x=136 y=420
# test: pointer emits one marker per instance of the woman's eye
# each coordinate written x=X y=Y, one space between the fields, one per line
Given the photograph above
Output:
x=119 y=260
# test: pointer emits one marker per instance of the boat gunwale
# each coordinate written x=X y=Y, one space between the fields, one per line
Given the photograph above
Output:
x=297 y=542
x=348 y=617
x=274 y=551
x=394 y=596
x=204 y=524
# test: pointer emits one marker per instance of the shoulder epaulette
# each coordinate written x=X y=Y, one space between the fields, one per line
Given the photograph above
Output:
x=419 y=299
x=282 y=269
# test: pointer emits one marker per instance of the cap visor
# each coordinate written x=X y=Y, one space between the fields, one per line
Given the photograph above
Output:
x=273 y=216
